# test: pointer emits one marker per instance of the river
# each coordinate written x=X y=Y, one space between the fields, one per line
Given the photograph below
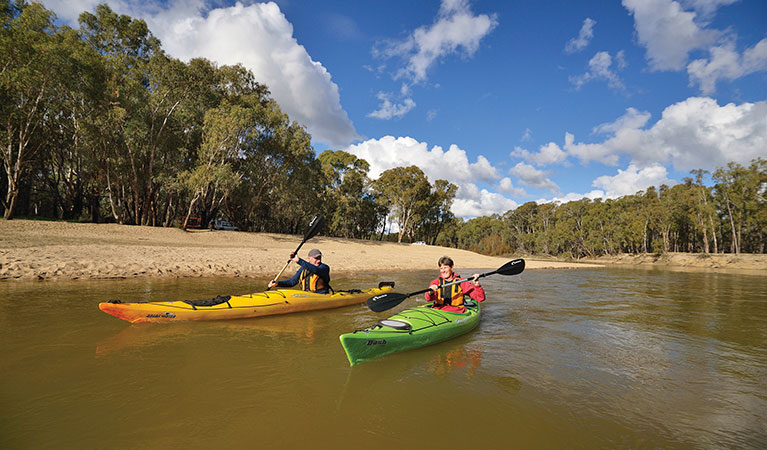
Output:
x=586 y=358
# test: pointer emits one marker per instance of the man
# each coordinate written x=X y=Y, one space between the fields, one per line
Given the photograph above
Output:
x=313 y=275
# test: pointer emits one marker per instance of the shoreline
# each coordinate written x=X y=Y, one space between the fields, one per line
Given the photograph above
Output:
x=46 y=250
x=716 y=262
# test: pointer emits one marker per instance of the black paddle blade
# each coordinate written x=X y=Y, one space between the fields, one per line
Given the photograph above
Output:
x=386 y=301
x=512 y=267
x=315 y=226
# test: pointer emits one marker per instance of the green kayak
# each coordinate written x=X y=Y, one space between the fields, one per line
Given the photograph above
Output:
x=410 y=328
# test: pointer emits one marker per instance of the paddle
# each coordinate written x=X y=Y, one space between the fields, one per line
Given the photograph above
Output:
x=315 y=226
x=390 y=300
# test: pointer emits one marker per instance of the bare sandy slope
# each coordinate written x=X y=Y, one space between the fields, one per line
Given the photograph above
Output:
x=36 y=250
x=721 y=262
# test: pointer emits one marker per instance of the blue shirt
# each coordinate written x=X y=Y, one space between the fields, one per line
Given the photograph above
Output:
x=322 y=271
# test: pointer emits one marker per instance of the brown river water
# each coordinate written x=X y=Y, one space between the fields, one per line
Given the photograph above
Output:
x=587 y=358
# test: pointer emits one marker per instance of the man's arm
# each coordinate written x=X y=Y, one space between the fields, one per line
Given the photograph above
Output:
x=322 y=271
x=292 y=281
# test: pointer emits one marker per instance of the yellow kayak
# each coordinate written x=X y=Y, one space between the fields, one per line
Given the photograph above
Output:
x=282 y=301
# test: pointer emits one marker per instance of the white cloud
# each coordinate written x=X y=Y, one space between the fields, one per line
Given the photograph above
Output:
x=530 y=176
x=470 y=201
x=455 y=30
x=706 y=8
x=388 y=110
x=572 y=196
x=547 y=154
x=632 y=119
x=69 y=10
x=452 y=165
x=696 y=133
x=506 y=186
x=668 y=32
x=633 y=180
x=528 y=136
x=577 y=44
x=259 y=37
x=600 y=68
x=726 y=63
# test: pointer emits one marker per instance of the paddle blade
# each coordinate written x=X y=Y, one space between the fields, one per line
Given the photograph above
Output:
x=512 y=267
x=386 y=301
x=314 y=227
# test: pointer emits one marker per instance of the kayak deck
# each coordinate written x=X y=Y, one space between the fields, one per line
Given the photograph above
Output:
x=283 y=301
x=409 y=329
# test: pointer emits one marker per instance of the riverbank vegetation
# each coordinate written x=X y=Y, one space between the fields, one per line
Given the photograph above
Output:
x=100 y=125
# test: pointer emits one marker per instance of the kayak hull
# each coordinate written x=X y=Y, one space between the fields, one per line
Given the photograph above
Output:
x=282 y=301
x=409 y=329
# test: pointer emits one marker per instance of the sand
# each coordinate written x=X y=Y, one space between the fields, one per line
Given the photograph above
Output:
x=39 y=250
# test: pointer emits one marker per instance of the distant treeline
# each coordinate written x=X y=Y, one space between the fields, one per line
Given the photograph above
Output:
x=729 y=217
x=100 y=125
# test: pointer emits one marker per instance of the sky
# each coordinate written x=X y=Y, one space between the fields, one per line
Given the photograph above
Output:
x=511 y=101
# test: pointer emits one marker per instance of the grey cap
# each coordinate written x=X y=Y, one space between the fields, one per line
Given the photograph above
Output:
x=315 y=253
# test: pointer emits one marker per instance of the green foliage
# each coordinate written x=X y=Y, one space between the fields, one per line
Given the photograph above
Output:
x=98 y=123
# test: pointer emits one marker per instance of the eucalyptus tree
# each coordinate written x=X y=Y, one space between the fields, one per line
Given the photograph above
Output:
x=405 y=190
x=279 y=188
x=69 y=169
x=213 y=177
x=484 y=235
x=27 y=77
x=349 y=201
x=437 y=210
x=127 y=47
x=522 y=223
x=740 y=193
x=570 y=235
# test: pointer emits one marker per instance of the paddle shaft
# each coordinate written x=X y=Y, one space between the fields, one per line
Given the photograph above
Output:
x=389 y=300
x=314 y=227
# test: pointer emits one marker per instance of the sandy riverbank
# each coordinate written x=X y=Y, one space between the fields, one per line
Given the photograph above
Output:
x=37 y=250
x=721 y=262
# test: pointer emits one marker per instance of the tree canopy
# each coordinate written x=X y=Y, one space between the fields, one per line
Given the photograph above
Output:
x=99 y=124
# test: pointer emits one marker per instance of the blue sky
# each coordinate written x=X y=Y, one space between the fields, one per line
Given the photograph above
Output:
x=512 y=101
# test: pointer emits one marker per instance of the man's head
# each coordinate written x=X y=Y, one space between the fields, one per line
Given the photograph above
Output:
x=315 y=256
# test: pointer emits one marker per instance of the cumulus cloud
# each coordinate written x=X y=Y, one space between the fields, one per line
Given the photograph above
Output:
x=456 y=30
x=470 y=201
x=668 y=32
x=530 y=176
x=601 y=69
x=726 y=63
x=625 y=182
x=259 y=37
x=706 y=8
x=388 y=110
x=584 y=37
x=506 y=186
x=550 y=153
x=695 y=133
x=452 y=165
x=633 y=180
x=572 y=196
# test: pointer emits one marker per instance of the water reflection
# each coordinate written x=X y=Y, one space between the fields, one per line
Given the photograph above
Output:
x=576 y=358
